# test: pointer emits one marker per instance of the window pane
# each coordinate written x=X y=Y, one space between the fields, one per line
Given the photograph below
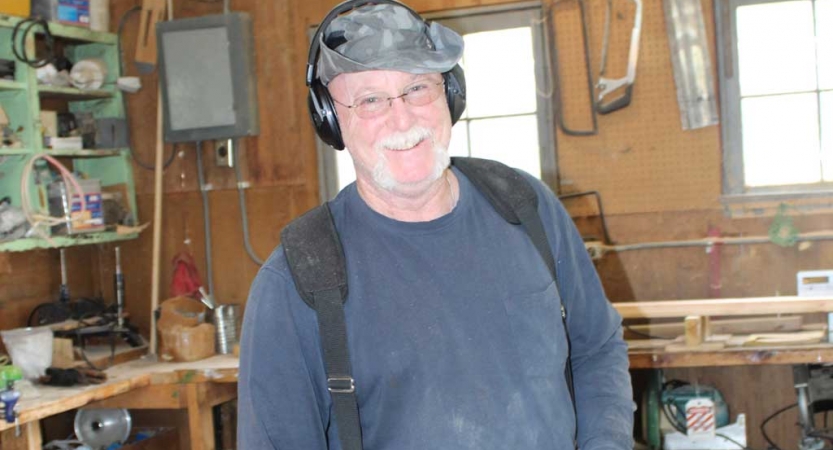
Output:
x=346 y=171
x=780 y=140
x=510 y=140
x=824 y=29
x=459 y=145
x=776 y=48
x=827 y=134
x=500 y=72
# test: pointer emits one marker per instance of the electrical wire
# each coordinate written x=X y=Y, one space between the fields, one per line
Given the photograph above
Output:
x=741 y=446
x=768 y=419
x=241 y=196
x=206 y=216
x=19 y=47
x=122 y=70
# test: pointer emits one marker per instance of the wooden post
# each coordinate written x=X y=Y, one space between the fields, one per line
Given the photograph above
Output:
x=29 y=439
x=693 y=330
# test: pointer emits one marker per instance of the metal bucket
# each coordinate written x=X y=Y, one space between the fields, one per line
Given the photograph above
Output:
x=227 y=322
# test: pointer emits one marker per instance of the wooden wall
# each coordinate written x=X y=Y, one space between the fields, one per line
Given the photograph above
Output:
x=658 y=183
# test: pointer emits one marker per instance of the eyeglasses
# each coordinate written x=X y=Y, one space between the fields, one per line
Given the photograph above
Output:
x=378 y=103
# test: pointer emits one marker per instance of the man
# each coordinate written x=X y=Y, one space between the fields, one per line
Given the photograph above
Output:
x=453 y=320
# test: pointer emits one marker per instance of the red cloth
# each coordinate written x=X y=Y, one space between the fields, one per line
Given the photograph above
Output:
x=186 y=279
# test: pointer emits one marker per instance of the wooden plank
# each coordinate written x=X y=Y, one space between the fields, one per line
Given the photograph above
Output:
x=200 y=419
x=720 y=326
x=725 y=307
x=217 y=393
x=732 y=357
x=165 y=396
x=770 y=339
x=693 y=331
x=701 y=347
x=30 y=437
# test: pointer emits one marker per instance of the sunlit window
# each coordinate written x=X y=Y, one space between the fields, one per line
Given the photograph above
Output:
x=778 y=95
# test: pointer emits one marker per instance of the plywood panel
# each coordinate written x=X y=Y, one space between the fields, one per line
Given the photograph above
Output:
x=641 y=160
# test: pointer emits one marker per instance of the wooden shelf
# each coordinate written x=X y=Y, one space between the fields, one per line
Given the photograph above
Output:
x=19 y=245
x=816 y=353
x=15 y=151
x=70 y=32
x=85 y=152
x=71 y=93
x=8 y=85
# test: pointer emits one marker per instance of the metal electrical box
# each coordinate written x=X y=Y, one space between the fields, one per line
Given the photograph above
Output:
x=207 y=71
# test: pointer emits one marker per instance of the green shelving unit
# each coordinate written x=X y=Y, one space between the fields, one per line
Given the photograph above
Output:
x=22 y=99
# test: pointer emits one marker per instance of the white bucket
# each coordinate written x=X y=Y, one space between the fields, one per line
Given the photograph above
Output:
x=30 y=349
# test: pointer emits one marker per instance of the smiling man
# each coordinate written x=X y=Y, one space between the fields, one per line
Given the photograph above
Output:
x=454 y=329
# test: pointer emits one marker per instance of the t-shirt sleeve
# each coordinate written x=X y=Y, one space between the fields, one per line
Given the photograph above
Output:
x=278 y=406
x=604 y=396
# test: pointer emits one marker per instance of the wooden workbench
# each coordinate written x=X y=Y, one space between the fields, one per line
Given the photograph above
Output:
x=793 y=354
x=728 y=307
x=141 y=384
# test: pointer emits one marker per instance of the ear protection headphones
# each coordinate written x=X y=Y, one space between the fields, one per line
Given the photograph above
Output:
x=321 y=106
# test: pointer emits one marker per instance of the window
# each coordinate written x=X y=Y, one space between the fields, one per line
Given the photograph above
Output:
x=776 y=84
x=508 y=111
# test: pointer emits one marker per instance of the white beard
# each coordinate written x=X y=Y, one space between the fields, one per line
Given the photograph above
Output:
x=381 y=172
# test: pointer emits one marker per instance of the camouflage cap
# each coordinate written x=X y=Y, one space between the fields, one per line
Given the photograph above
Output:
x=386 y=37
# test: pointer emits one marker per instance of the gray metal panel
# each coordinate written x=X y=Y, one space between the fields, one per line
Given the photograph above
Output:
x=209 y=88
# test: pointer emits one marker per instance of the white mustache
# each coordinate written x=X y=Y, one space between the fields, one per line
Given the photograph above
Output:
x=405 y=140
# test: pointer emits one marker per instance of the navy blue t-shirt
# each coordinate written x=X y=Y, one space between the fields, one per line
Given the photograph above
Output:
x=455 y=339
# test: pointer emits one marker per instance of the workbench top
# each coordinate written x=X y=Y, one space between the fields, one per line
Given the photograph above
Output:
x=123 y=378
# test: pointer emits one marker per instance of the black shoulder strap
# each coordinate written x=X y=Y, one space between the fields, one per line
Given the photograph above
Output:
x=316 y=260
x=517 y=202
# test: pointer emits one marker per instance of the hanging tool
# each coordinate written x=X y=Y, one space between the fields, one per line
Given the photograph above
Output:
x=153 y=11
x=692 y=64
x=559 y=105
x=119 y=281
x=607 y=86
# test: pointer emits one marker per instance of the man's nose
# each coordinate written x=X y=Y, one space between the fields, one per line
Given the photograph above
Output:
x=401 y=114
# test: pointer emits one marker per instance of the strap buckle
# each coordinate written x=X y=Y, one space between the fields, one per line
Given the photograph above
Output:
x=341 y=385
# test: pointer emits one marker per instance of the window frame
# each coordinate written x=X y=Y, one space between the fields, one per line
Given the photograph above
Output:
x=734 y=187
x=470 y=20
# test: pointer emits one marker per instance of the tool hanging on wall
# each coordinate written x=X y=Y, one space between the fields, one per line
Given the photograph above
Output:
x=153 y=11
x=692 y=63
x=608 y=86
x=556 y=75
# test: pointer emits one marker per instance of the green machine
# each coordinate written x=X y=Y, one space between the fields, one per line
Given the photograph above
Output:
x=663 y=406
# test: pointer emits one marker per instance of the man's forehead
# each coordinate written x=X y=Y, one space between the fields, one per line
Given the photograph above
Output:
x=377 y=78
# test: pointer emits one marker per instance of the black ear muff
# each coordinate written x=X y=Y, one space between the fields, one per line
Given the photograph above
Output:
x=322 y=111
x=455 y=92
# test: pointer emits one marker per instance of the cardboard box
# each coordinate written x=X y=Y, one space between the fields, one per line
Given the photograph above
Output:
x=20 y=8
x=70 y=12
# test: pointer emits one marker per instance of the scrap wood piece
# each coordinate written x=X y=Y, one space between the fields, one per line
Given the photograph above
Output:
x=724 y=307
x=723 y=326
x=703 y=347
x=765 y=339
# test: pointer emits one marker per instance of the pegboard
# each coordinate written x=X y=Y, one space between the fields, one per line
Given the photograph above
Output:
x=641 y=160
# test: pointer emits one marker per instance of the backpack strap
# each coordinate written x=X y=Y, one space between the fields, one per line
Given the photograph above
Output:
x=316 y=260
x=517 y=202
